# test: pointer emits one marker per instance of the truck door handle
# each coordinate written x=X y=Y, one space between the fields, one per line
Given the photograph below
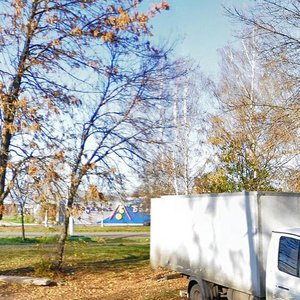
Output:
x=283 y=288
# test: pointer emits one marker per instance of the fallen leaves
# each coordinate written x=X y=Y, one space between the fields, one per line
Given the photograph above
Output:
x=139 y=283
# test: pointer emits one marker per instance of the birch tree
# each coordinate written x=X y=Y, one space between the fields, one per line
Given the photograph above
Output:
x=177 y=161
x=276 y=25
x=255 y=140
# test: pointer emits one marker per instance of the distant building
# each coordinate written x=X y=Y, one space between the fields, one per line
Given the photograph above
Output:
x=130 y=212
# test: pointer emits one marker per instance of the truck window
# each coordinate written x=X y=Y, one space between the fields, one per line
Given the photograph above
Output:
x=288 y=256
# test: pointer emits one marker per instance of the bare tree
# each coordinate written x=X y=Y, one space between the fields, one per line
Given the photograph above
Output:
x=21 y=194
x=51 y=52
x=115 y=128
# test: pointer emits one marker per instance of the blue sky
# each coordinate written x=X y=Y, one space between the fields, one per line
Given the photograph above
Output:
x=200 y=27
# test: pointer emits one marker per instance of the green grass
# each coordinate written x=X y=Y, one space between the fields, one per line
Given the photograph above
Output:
x=17 y=219
x=19 y=240
x=39 y=240
x=54 y=239
x=24 y=260
x=30 y=228
x=92 y=228
x=77 y=228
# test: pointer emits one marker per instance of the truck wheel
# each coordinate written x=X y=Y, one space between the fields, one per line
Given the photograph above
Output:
x=196 y=293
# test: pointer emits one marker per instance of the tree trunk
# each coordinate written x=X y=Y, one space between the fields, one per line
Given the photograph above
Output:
x=9 y=110
x=57 y=264
x=23 y=226
x=174 y=156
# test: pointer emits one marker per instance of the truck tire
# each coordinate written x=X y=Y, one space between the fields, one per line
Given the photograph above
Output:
x=195 y=292
x=198 y=292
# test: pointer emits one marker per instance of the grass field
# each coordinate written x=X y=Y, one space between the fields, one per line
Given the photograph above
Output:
x=77 y=254
x=91 y=271
x=74 y=239
x=77 y=228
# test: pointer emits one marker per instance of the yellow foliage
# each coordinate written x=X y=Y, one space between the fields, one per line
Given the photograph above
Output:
x=18 y=5
x=12 y=128
x=11 y=184
x=52 y=175
x=55 y=43
x=74 y=179
x=96 y=32
x=108 y=37
x=93 y=193
x=124 y=20
x=60 y=156
x=76 y=31
x=88 y=167
x=22 y=103
x=32 y=170
x=52 y=19
x=35 y=127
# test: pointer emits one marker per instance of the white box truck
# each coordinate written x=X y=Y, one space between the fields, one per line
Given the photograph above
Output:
x=231 y=245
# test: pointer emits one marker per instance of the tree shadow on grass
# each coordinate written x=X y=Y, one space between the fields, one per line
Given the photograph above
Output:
x=114 y=265
x=117 y=258
x=26 y=271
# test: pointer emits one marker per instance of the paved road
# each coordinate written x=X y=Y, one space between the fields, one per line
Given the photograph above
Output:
x=91 y=234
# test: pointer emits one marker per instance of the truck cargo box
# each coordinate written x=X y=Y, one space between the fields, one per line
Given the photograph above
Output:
x=222 y=238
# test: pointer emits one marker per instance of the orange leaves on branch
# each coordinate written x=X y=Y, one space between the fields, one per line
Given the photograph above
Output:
x=32 y=169
x=93 y=193
x=55 y=43
x=10 y=127
x=18 y=6
x=52 y=19
x=164 y=5
x=124 y=20
x=35 y=127
x=52 y=106
x=116 y=19
x=88 y=167
x=96 y=32
x=113 y=170
x=108 y=37
x=11 y=184
x=76 y=31
x=94 y=64
x=74 y=180
x=60 y=156
x=10 y=166
x=52 y=175
x=142 y=18
x=135 y=3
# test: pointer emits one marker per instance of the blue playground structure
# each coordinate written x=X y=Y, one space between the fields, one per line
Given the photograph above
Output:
x=127 y=215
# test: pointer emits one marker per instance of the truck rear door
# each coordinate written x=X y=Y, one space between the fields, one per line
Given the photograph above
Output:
x=283 y=267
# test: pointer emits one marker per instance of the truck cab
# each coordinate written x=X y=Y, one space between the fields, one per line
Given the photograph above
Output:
x=283 y=265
